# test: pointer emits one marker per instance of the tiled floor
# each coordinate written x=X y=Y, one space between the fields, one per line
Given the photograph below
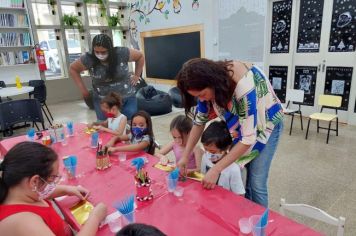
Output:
x=303 y=171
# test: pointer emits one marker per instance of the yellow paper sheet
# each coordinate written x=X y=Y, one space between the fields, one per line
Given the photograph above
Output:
x=81 y=211
x=195 y=176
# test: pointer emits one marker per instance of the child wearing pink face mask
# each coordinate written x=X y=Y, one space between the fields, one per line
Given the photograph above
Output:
x=116 y=121
x=180 y=128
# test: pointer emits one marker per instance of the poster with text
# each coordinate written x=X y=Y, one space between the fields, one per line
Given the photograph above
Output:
x=278 y=77
x=305 y=79
x=309 y=30
x=338 y=82
x=343 y=26
x=281 y=24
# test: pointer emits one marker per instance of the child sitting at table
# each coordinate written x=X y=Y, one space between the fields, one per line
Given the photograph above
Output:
x=217 y=141
x=116 y=122
x=29 y=177
x=137 y=229
x=141 y=137
x=180 y=128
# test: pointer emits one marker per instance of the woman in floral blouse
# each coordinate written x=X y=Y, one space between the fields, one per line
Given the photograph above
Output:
x=241 y=95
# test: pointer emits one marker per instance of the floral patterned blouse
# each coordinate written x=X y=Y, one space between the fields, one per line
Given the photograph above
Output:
x=252 y=113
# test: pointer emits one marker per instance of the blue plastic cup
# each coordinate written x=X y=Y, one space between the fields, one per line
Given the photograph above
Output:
x=94 y=140
x=31 y=134
x=128 y=218
x=70 y=128
x=71 y=171
x=256 y=230
x=171 y=183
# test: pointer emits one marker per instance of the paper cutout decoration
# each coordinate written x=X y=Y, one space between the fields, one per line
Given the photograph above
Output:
x=305 y=79
x=278 y=77
x=338 y=82
x=81 y=211
x=310 y=21
x=281 y=24
x=343 y=26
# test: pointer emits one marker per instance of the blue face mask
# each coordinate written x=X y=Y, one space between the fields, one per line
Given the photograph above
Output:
x=138 y=131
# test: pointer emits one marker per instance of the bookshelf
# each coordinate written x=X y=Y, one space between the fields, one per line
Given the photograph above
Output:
x=16 y=39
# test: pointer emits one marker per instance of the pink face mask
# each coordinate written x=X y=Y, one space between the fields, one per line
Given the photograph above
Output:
x=47 y=191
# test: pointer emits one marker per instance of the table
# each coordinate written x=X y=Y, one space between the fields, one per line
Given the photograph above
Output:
x=199 y=211
x=13 y=91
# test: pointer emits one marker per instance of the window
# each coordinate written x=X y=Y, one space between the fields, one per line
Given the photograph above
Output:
x=42 y=13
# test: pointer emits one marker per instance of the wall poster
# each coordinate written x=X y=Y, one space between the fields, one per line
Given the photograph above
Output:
x=278 y=77
x=305 y=79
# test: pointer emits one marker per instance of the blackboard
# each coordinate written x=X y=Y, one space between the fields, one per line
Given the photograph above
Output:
x=165 y=55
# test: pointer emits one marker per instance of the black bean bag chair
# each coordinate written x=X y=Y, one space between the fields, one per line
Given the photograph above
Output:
x=176 y=97
x=89 y=100
x=153 y=101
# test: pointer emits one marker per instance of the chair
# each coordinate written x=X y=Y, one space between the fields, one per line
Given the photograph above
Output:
x=3 y=85
x=329 y=102
x=18 y=111
x=40 y=93
x=294 y=95
x=313 y=213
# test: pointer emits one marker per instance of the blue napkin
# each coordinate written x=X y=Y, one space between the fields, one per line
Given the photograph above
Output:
x=126 y=205
x=174 y=174
x=263 y=220
x=31 y=132
x=70 y=163
x=138 y=162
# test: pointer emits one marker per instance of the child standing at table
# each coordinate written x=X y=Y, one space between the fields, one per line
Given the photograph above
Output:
x=217 y=141
x=180 y=128
x=141 y=137
x=116 y=122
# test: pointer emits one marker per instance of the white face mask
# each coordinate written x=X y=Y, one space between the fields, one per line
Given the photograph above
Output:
x=214 y=156
x=47 y=191
x=102 y=57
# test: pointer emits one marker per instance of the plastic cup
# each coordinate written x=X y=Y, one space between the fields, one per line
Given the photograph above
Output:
x=122 y=156
x=71 y=171
x=128 y=218
x=179 y=191
x=171 y=184
x=94 y=140
x=257 y=231
x=245 y=226
x=70 y=128
x=31 y=134
x=114 y=225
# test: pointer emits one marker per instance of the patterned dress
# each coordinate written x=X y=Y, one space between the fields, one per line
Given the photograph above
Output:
x=252 y=114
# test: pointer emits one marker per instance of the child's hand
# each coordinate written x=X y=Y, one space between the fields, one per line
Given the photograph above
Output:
x=111 y=149
x=98 y=127
x=90 y=125
x=163 y=160
x=99 y=212
x=79 y=191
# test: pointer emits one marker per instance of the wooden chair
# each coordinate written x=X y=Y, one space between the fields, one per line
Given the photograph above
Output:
x=329 y=102
x=294 y=95
x=313 y=213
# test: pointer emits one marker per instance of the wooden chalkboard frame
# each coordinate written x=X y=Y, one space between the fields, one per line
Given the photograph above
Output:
x=170 y=31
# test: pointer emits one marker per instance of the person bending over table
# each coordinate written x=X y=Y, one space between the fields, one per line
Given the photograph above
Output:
x=28 y=180
x=242 y=96
x=109 y=70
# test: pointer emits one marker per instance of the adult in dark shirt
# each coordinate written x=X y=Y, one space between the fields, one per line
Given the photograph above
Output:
x=108 y=68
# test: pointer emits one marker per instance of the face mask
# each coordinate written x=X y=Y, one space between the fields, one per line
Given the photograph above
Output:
x=214 y=156
x=47 y=191
x=102 y=57
x=109 y=115
x=138 y=131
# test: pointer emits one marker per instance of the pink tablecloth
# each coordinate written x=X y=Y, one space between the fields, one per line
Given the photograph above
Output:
x=198 y=212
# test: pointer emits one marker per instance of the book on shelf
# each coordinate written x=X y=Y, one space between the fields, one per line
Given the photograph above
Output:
x=12 y=3
x=15 y=57
x=13 y=39
x=13 y=20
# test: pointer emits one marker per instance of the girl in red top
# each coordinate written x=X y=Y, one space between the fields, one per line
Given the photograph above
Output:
x=28 y=178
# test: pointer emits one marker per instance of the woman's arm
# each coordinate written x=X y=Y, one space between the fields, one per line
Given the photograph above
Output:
x=74 y=70
x=193 y=139
x=90 y=227
x=131 y=147
x=62 y=190
x=139 y=60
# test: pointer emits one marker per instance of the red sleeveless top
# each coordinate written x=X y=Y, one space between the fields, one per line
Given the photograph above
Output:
x=48 y=215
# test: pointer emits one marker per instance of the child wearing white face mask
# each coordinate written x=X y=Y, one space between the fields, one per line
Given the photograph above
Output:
x=217 y=141
x=180 y=128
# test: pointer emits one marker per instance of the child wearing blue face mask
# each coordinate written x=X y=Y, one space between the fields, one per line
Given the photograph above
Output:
x=217 y=140
x=141 y=137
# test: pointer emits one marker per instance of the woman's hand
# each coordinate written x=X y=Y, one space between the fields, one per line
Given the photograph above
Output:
x=99 y=212
x=79 y=191
x=134 y=79
x=182 y=165
x=210 y=178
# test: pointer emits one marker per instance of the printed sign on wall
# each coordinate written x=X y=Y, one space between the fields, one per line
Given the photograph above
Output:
x=343 y=26
x=281 y=23
x=305 y=79
x=338 y=82
x=310 y=19
x=278 y=78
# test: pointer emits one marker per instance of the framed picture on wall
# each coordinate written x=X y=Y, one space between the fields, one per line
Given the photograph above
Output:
x=305 y=79
x=278 y=77
x=281 y=24
x=309 y=30
x=338 y=82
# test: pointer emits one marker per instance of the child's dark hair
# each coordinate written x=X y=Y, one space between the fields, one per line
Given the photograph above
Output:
x=25 y=159
x=112 y=99
x=151 y=148
x=182 y=124
x=140 y=230
x=218 y=134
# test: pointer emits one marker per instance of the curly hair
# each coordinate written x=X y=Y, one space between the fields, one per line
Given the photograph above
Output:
x=112 y=99
x=200 y=73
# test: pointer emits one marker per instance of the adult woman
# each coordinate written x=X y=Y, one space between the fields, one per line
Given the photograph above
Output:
x=108 y=67
x=243 y=97
x=28 y=179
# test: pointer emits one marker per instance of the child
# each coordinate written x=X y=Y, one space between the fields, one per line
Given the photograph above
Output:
x=180 y=128
x=141 y=137
x=116 y=122
x=138 y=229
x=217 y=140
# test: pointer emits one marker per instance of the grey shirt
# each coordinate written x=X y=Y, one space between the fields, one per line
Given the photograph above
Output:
x=102 y=82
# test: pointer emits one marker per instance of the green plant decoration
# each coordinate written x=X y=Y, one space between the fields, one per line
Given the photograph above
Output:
x=113 y=21
x=72 y=21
